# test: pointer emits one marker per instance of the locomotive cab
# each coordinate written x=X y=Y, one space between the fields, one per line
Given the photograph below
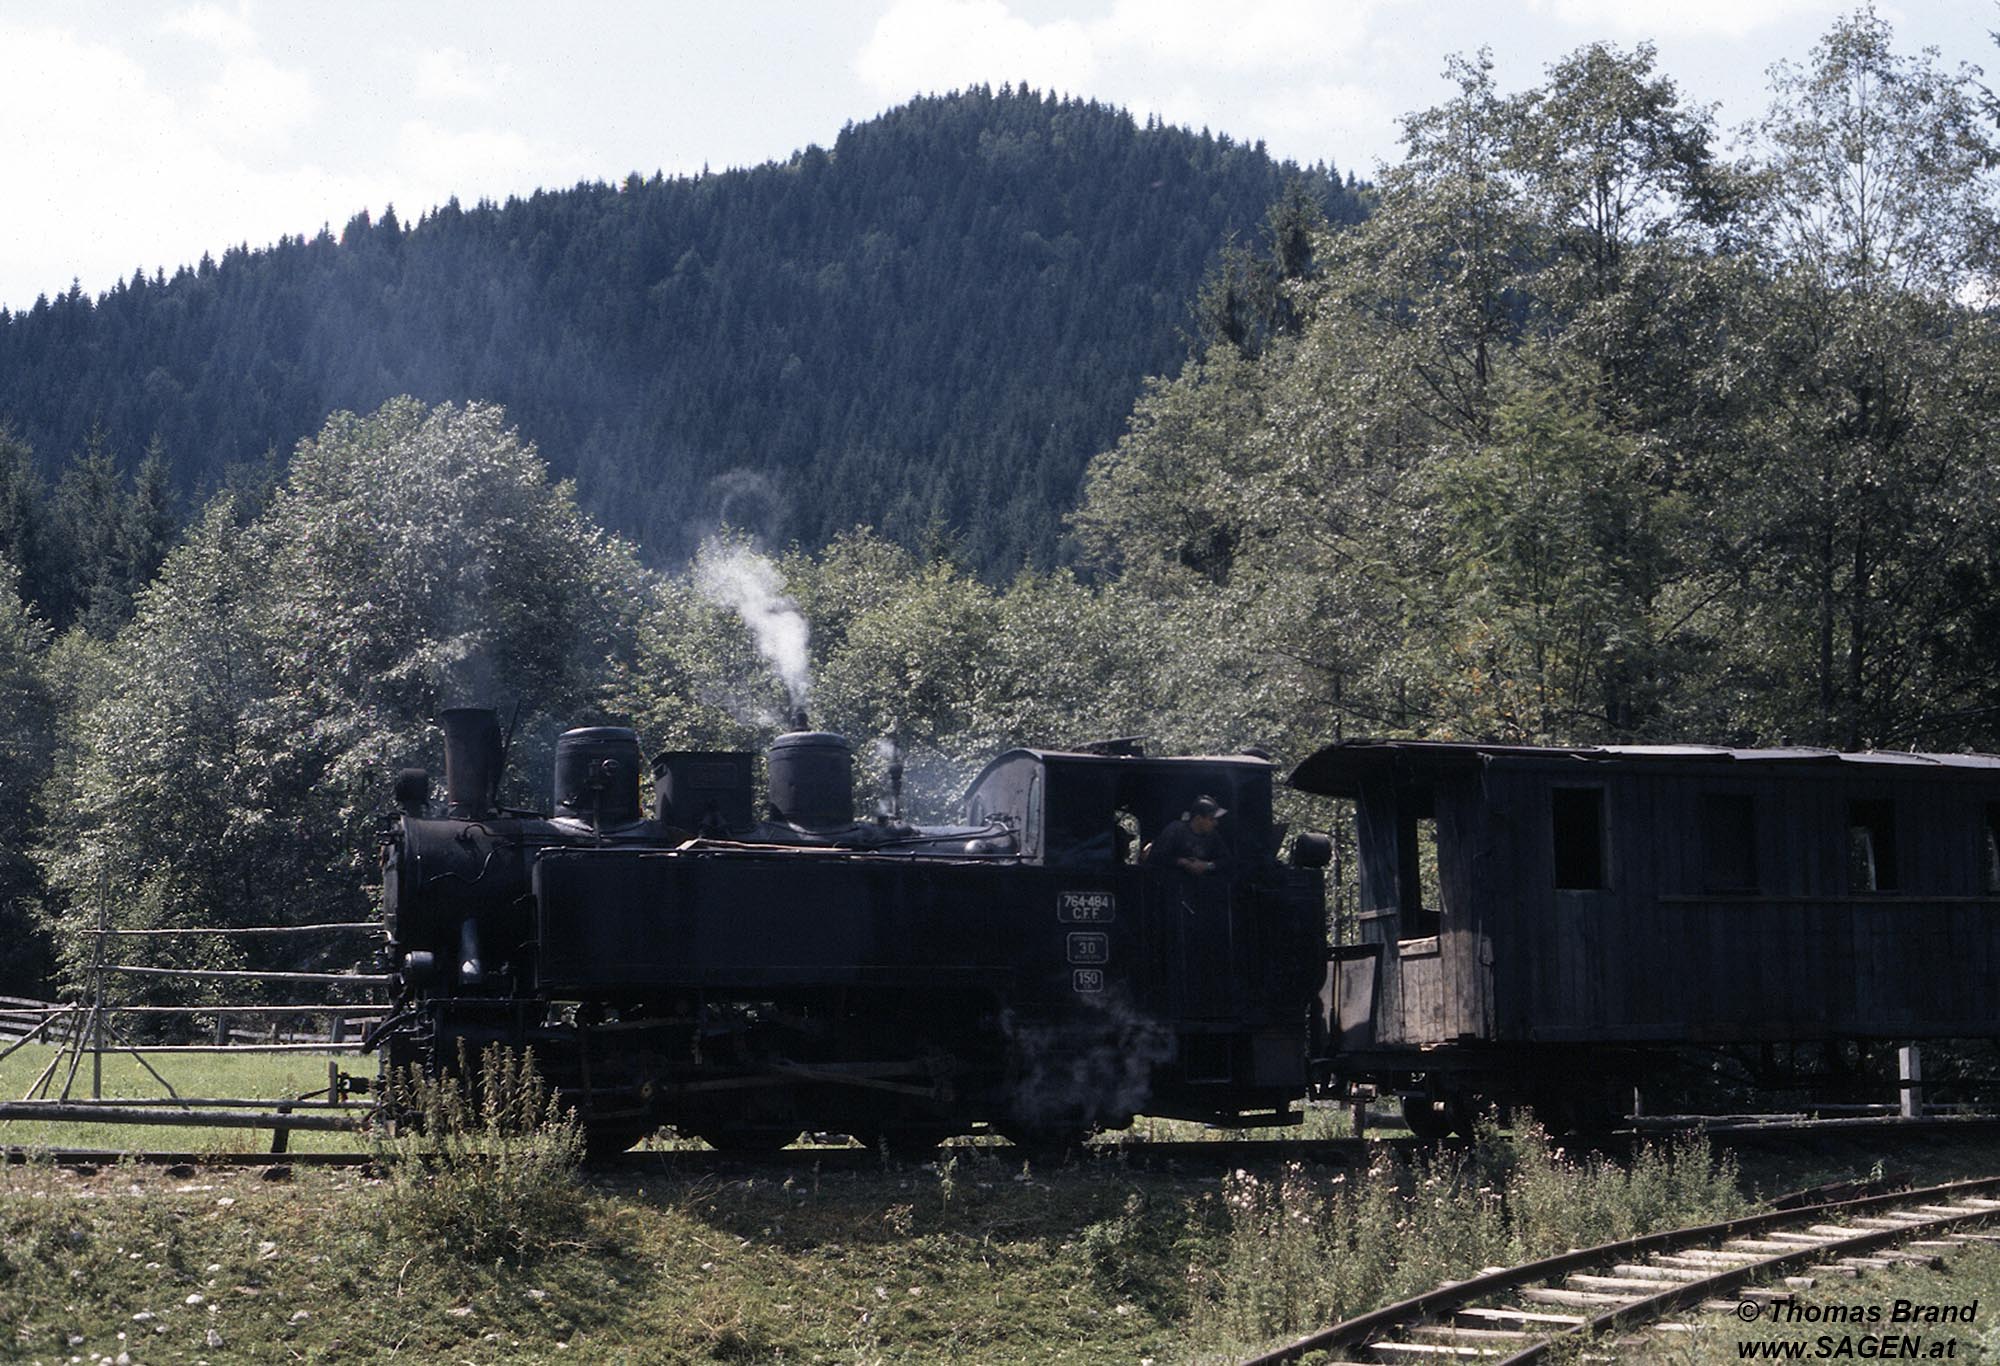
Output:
x=1221 y=964
x=1082 y=810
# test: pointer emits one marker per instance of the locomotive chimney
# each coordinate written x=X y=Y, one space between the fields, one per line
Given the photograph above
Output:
x=812 y=781
x=472 y=759
x=597 y=775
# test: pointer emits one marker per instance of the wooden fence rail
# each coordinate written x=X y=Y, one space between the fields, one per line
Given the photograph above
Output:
x=55 y=1022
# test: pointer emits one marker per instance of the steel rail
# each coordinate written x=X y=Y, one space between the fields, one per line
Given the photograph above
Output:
x=1681 y=1296
x=1446 y=1298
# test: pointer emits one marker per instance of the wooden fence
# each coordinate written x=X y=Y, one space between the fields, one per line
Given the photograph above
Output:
x=228 y=1025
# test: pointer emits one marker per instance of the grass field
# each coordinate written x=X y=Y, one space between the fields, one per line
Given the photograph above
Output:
x=264 y=1076
x=287 y=1076
x=976 y=1256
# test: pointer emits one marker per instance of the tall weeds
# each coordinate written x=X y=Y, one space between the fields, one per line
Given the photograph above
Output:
x=1299 y=1251
x=486 y=1171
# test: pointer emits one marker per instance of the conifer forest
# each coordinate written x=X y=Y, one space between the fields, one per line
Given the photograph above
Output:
x=1586 y=420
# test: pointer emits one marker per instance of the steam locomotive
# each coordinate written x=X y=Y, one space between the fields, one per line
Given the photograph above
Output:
x=745 y=974
x=1530 y=925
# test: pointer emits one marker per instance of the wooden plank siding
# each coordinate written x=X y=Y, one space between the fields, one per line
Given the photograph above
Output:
x=1462 y=934
x=1656 y=953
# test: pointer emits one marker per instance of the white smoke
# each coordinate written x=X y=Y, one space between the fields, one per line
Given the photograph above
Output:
x=733 y=575
x=1100 y=1072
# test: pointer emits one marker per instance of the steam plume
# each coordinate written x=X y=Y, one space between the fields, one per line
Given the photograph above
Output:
x=737 y=577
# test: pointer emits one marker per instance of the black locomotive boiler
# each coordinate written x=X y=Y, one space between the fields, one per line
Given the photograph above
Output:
x=744 y=975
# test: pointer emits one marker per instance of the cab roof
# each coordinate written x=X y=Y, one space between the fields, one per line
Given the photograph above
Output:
x=1337 y=769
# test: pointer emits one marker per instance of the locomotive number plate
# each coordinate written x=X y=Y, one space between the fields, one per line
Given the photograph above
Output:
x=1090 y=948
x=1088 y=979
x=1086 y=908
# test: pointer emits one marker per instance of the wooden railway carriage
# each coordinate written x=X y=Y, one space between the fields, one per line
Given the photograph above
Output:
x=1531 y=921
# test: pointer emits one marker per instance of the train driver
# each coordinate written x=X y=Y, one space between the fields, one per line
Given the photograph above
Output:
x=1192 y=843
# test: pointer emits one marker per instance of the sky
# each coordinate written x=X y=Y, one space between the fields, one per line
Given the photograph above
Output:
x=139 y=135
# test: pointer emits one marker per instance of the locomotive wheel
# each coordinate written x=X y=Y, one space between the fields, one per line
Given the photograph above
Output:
x=1051 y=1143
x=602 y=1141
x=746 y=1138
x=1430 y=1120
x=905 y=1138
x=1577 y=1114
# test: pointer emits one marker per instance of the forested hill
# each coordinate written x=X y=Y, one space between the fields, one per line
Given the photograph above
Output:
x=929 y=327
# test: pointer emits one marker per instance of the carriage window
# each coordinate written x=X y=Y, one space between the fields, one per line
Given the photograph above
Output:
x=1728 y=842
x=1125 y=836
x=1420 y=896
x=1430 y=888
x=1577 y=816
x=1871 y=846
x=1991 y=878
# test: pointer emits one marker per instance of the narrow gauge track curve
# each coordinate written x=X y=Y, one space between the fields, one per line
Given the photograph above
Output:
x=1623 y=1285
x=1197 y=1153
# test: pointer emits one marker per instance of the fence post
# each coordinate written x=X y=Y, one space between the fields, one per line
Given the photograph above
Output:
x=97 y=982
x=1910 y=1072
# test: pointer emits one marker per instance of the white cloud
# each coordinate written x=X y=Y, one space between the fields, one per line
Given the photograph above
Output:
x=1247 y=36
x=1336 y=116
x=935 y=44
x=106 y=168
x=256 y=103
x=1683 y=18
x=449 y=73
x=923 y=45
x=1295 y=73
x=432 y=162
x=215 y=26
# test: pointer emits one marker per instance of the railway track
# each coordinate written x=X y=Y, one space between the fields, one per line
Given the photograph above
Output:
x=1195 y=1153
x=1521 y=1314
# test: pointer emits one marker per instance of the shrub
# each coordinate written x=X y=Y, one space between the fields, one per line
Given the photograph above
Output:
x=1300 y=1251
x=1556 y=1202
x=485 y=1169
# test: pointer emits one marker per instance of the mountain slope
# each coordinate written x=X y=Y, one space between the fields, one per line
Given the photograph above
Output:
x=928 y=327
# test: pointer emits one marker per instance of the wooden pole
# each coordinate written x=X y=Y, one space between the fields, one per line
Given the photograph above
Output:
x=322 y=1046
x=60 y=1013
x=97 y=956
x=196 y=1119
x=366 y=979
x=1909 y=1076
x=239 y=931
x=43 y=1080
